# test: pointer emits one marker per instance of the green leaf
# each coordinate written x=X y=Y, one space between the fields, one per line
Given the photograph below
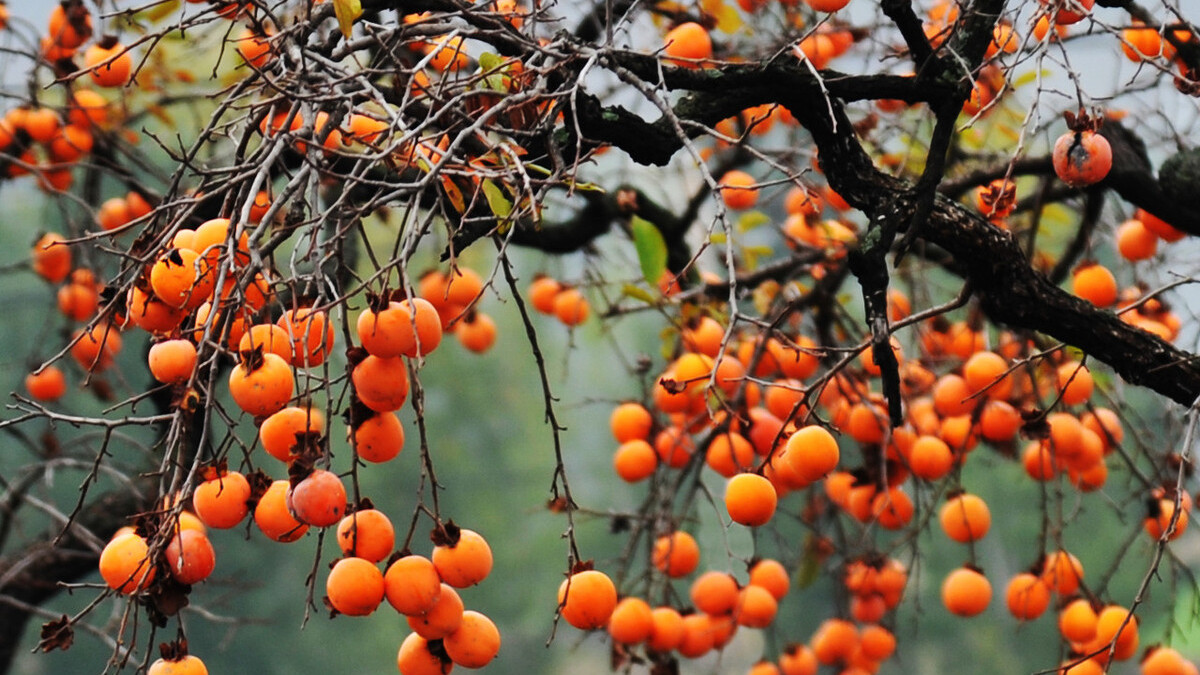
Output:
x=751 y=220
x=499 y=204
x=161 y=11
x=809 y=569
x=651 y=249
x=639 y=293
x=347 y=12
x=489 y=61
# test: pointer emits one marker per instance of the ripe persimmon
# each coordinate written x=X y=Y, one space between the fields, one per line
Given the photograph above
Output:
x=631 y=622
x=268 y=337
x=52 y=258
x=221 y=502
x=412 y=585
x=125 y=563
x=280 y=432
x=812 y=452
x=183 y=665
x=190 y=557
x=1062 y=572
x=474 y=643
x=965 y=517
x=465 y=561
x=318 y=500
x=571 y=307
x=635 y=460
x=381 y=383
x=1081 y=158
x=379 y=438
x=686 y=44
x=756 y=607
x=272 y=516
x=366 y=533
x=476 y=331
x=109 y=62
x=738 y=189
x=49 y=384
x=312 y=335
x=587 y=599
x=966 y=592
x=354 y=586
x=172 y=361
x=443 y=616
x=1026 y=596
x=261 y=384
x=96 y=348
x=677 y=554
x=668 y=629
x=750 y=499
x=541 y=293
x=416 y=658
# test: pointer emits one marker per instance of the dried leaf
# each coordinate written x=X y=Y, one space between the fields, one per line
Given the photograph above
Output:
x=347 y=12
x=57 y=634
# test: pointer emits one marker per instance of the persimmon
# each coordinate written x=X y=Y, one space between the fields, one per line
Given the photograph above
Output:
x=280 y=432
x=172 y=361
x=834 y=640
x=366 y=533
x=738 y=190
x=1135 y=242
x=798 y=659
x=1075 y=382
x=71 y=144
x=261 y=384
x=379 y=438
x=125 y=564
x=587 y=599
x=812 y=452
x=999 y=421
x=42 y=124
x=412 y=585
x=966 y=592
x=542 y=292
x=182 y=279
x=1062 y=572
x=1117 y=626
x=465 y=560
x=827 y=5
x=312 y=335
x=1163 y=660
x=772 y=576
x=635 y=460
x=416 y=658
x=272 y=516
x=1026 y=596
x=892 y=508
x=52 y=258
x=476 y=331
x=571 y=307
x=676 y=554
x=88 y=109
x=698 y=636
x=109 y=63
x=253 y=47
x=354 y=586
x=442 y=618
x=1077 y=621
x=268 y=337
x=756 y=607
x=96 y=348
x=750 y=499
x=1070 y=11
x=212 y=239
x=965 y=518
x=69 y=28
x=1158 y=521
x=48 y=384
x=1081 y=158
x=318 y=500
x=1161 y=228
x=1095 y=284
x=190 y=557
x=668 y=630
x=986 y=372
x=221 y=502
x=729 y=453
x=185 y=665
x=475 y=642
x=381 y=383
x=631 y=622
x=687 y=44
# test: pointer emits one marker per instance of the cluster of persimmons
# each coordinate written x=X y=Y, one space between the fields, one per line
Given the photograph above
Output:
x=775 y=413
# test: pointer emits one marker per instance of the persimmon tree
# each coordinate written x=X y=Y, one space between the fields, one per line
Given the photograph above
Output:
x=882 y=240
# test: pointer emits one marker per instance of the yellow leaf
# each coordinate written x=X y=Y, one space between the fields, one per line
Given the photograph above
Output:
x=347 y=12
